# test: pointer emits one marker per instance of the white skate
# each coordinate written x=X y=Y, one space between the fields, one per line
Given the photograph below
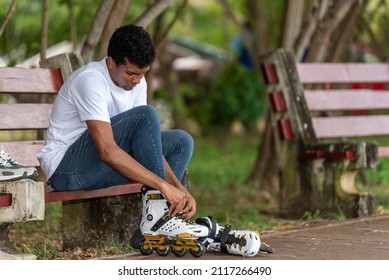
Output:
x=164 y=233
x=245 y=243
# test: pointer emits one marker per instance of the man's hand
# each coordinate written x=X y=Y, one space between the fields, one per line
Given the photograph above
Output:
x=181 y=202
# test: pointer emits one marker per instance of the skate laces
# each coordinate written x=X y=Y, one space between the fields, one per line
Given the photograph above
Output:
x=6 y=160
x=232 y=239
x=183 y=219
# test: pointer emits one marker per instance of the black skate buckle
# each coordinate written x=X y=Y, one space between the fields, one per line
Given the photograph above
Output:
x=154 y=196
x=163 y=220
x=224 y=238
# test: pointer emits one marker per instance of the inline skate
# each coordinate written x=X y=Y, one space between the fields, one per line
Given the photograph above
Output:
x=164 y=233
x=227 y=239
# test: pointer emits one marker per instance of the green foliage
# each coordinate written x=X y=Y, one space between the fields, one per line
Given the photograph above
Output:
x=379 y=184
x=381 y=174
x=233 y=94
x=21 y=37
x=197 y=18
x=4 y=98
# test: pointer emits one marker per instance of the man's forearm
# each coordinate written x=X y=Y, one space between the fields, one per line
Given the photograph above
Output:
x=171 y=177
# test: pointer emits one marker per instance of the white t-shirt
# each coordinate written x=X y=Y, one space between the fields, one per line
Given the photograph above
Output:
x=88 y=94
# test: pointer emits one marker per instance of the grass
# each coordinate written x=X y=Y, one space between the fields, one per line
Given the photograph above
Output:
x=43 y=238
x=217 y=175
x=378 y=183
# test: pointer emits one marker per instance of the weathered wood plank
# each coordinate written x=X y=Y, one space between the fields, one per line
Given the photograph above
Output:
x=351 y=126
x=314 y=73
x=25 y=116
x=24 y=151
x=335 y=100
x=269 y=73
x=52 y=196
x=24 y=80
x=285 y=129
x=383 y=151
x=277 y=101
x=86 y=194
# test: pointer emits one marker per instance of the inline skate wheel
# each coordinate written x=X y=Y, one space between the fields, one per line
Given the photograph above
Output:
x=145 y=250
x=180 y=252
x=163 y=252
x=200 y=250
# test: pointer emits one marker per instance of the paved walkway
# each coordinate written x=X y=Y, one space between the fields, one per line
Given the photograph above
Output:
x=355 y=239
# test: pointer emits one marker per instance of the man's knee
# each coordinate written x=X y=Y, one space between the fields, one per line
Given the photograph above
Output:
x=147 y=111
x=185 y=140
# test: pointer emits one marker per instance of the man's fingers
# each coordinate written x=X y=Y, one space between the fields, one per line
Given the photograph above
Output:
x=175 y=209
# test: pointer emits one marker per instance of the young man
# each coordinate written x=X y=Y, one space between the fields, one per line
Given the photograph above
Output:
x=102 y=133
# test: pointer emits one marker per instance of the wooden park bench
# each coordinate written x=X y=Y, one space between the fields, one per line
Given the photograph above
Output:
x=88 y=216
x=329 y=124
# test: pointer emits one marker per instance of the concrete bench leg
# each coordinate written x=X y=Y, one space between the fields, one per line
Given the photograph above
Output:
x=324 y=185
x=353 y=202
x=332 y=189
x=28 y=204
x=85 y=223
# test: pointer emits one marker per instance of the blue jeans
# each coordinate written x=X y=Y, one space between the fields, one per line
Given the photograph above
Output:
x=136 y=131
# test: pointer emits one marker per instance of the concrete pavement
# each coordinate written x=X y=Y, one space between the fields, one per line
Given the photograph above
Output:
x=354 y=239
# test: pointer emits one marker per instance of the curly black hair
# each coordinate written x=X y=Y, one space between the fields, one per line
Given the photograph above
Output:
x=134 y=43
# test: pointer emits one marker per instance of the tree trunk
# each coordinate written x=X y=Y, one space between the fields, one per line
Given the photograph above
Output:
x=265 y=171
x=347 y=32
x=315 y=13
x=162 y=35
x=321 y=38
x=292 y=23
x=259 y=24
x=72 y=24
x=45 y=25
x=152 y=12
x=169 y=76
x=7 y=16
x=378 y=41
x=159 y=37
x=94 y=34
x=115 y=20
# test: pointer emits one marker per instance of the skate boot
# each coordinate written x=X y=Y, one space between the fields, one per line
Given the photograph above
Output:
x=164 y=233
x=245 y=243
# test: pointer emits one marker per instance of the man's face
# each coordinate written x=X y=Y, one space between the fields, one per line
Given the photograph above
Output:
x=125 y=76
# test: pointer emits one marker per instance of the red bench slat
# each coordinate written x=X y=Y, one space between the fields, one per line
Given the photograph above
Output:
x=285 y=129
x=383 y=151
x=351 y=126
x=314 y=73
x=277 y=101
x=53 y=196
x=25 y=80
x=336 y=155
x=337 y=100
x=269 y=73
x=5 y=200
x=24 y=151
x=85 y=194
x=25 y=116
